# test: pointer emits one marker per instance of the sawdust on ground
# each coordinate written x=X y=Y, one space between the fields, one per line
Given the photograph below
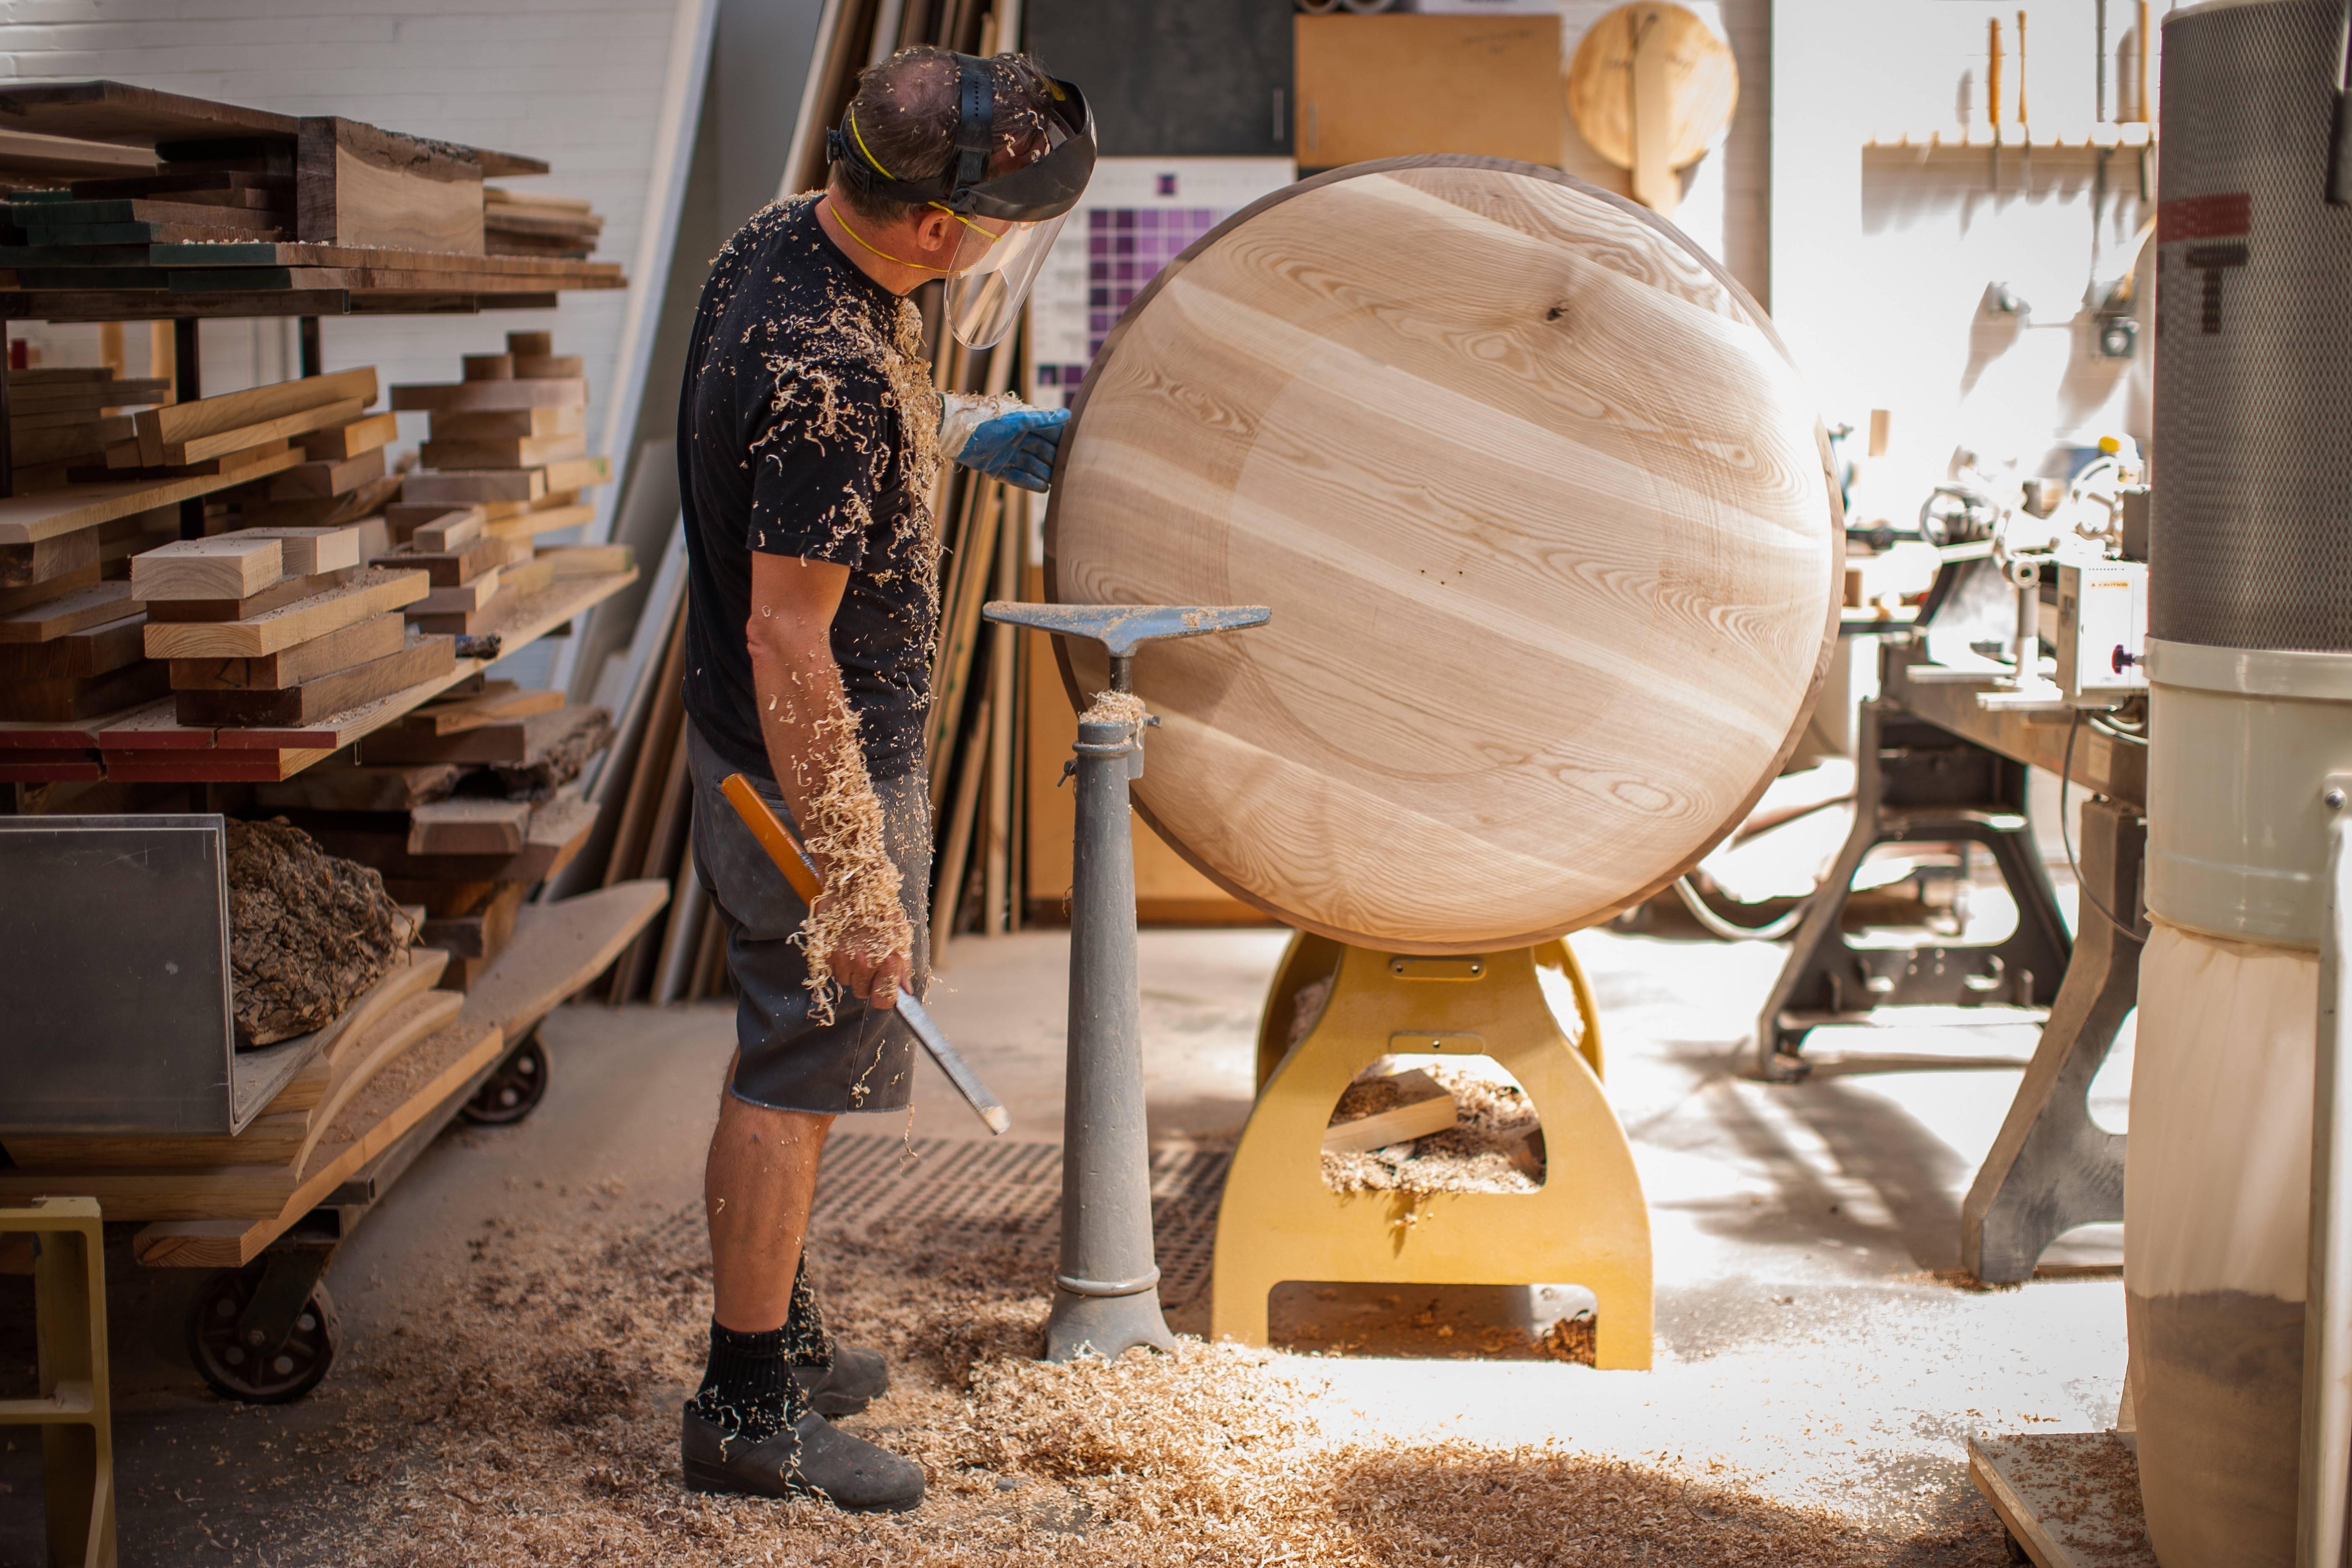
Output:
x=534 y=1419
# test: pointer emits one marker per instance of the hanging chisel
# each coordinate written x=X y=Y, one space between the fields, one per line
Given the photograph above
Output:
x=792 y=861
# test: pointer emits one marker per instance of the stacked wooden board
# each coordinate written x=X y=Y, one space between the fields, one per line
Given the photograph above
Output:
x=511 y=438
x=58 y=419
x=241 y=211
x=514 y=224
x=464 y=805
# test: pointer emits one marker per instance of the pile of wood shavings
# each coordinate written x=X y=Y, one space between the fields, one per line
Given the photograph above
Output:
x=1114 y=708
x=308 y=932
x=1472 y=1156
x=860 y=912
x=534 y=1420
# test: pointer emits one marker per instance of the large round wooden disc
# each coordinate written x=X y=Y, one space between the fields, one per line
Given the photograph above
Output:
x=1545 y=520
x=1701 y=78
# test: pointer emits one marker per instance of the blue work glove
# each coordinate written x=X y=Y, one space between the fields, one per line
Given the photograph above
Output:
x=1018 y=447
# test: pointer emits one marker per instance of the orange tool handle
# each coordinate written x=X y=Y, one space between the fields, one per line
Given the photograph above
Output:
x=773 y=837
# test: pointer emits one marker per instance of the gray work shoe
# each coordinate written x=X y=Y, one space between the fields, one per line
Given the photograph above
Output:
x=856 y=1378
x=812 y=1458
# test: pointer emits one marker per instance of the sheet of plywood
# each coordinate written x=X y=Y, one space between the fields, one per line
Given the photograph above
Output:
x=1545 y=519
x=373 y=593
x=1394 y=86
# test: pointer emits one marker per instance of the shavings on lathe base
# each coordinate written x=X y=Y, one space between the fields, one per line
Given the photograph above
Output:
x=532 y=1419
x=1113 y=707
x=1474 y=1155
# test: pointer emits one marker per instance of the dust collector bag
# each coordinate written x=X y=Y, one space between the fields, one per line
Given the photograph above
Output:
x=2216 y=1214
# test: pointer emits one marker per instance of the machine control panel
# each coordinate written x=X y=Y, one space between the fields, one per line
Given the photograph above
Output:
x=2102 y=632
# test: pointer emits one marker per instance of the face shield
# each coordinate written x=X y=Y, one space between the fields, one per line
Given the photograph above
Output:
x=1008 y=224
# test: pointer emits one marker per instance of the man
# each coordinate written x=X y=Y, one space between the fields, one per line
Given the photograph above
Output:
x=809 y=438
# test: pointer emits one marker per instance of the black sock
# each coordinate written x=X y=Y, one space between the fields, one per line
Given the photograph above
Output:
x=747 y=1384
x=805 y=1341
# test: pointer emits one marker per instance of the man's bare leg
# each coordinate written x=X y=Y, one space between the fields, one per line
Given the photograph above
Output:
x=757 y=1189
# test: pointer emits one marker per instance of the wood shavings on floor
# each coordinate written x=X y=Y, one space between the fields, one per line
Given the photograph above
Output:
x=534 y=1420
x=1480 y=1153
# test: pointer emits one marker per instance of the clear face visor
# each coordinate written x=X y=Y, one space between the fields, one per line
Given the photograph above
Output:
x=995 y=264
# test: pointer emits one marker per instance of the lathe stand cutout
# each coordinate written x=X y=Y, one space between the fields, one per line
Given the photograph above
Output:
x=1588 y=1224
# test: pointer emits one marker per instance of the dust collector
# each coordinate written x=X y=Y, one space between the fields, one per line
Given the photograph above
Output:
x=2233 y=1202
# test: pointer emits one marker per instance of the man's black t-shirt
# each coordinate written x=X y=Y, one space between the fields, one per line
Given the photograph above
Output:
x=808 y=427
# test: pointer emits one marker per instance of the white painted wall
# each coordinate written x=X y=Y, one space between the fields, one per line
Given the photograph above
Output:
x=1880 y=260
x=576 y=82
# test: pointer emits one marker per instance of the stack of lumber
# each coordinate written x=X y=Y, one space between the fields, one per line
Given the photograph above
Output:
x=464 y=805
x=511 y=438
x=239 y=209
x=71 y=634
x=283 y=625
x=514 y=224
x=58 y=419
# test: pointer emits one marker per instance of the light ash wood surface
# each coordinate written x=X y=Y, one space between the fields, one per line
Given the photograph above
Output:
x=1543 y=515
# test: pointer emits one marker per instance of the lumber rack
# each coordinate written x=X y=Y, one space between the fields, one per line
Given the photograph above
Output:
x=1934 y=766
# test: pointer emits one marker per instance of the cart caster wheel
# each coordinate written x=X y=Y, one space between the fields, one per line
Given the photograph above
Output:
x=2016 y=1552
x=237 y=1371
x=511 y=1092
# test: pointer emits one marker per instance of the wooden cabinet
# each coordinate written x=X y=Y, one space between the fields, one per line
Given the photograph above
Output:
x=1208 y=79
x=1392 y=86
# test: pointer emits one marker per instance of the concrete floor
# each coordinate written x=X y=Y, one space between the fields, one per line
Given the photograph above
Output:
x=1804 y=1336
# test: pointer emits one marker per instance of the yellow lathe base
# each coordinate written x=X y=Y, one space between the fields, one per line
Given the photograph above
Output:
x=1588 y=1224
x=73 y=1407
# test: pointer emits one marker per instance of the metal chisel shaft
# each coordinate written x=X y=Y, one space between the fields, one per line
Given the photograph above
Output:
x=792 y=861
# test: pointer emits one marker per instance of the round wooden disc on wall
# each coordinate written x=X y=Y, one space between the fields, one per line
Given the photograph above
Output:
x=1702 y=82
x=1545 y=519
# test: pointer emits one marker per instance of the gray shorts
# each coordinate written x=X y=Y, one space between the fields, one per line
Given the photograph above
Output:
x=862 y=1060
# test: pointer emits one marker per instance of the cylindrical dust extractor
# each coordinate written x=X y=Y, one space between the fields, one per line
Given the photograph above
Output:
x=2249 y=670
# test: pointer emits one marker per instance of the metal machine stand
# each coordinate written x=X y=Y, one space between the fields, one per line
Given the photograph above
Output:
x=2052 y=1168
x=1107 y=1288
x=1917 y=783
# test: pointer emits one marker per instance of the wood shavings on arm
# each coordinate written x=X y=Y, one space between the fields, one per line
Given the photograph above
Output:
x=859 y=913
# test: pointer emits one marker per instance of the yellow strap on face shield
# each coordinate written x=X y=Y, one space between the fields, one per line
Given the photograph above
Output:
x=918 y=266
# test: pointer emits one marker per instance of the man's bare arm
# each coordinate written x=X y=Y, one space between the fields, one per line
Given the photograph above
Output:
x=812 y=744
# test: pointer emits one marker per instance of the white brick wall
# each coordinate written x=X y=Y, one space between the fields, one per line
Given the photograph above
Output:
x=576 y=82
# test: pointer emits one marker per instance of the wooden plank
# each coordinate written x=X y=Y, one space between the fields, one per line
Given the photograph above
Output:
x=308 y=552
x=180 y=423
x=422 y=660
x=74 y=214
x=359 y=185
x=486 y=367
x=65 y=582
x=377 y=430
x=462 y=486
x=1593 y=654
x=547 y=367
x=1390 y=86
x=327 y=476
x=453 y=567
x=190 y=185
x=109 y=646
x=481 y=934
x=361 y=788
x=284 y=592
x=587 y=560
x=373 y=639
x=481 y=396
x=452 y=531
x=83 y=697
x=367 y=500
x=493 y=707
x=469 y=826
x=501 y=452
x=76 y=611
x=458 y=599
x=539 y=520
x=201 y=448
x=233 y=467
x=252 y=766
x=230 y=566
x=512 y=423
x=139 y=116
x=61 y=157
x=1424 y=1105
x=26 y=565
x=578 y=473
x=371 y=594
x=28 y=520
x=558 y=830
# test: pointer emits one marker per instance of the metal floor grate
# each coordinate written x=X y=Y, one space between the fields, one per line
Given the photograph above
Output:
x=959 y=1185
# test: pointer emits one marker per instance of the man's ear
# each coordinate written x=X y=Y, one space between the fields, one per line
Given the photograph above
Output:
x=934 y=231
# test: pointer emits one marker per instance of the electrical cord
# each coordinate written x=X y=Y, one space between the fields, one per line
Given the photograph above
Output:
x=2066 y=837
x=1771 y=932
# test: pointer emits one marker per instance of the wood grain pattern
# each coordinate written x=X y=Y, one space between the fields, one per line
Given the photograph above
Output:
x=1545 y=518
x=1701 y=81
